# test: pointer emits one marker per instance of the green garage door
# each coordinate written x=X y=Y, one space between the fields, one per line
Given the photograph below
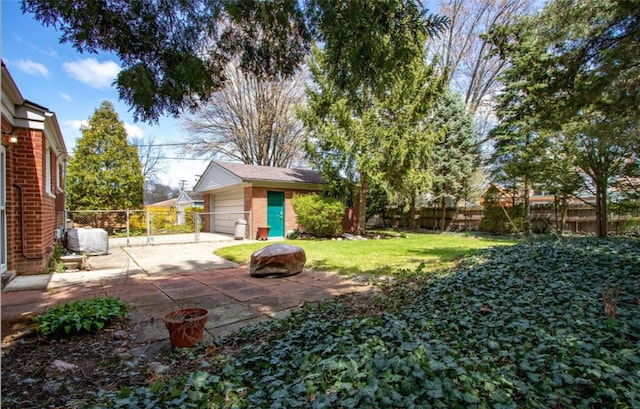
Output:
x=275 y=213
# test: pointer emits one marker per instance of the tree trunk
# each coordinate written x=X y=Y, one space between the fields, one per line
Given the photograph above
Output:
x=443 y=212
x=601 y=208
x=362 y=205
x=563 y=215
x=412 y=212
x=527 y=208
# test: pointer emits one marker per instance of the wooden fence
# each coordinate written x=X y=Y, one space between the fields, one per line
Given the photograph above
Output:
x=579 y=219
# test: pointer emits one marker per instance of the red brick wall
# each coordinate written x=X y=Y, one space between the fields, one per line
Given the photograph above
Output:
x=255 y=200
x=10 y=199
x=259 y=207
x=26 y=176
x=206 y=225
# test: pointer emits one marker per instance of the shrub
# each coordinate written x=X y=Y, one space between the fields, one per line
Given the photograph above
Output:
x=501 y=220
x=317 y=215
x=55 y=262
x=189 y=217
x=83 y=315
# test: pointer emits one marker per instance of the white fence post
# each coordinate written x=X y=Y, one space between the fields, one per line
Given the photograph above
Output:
x=128 y=227
x=196 y=222
x=148 y=214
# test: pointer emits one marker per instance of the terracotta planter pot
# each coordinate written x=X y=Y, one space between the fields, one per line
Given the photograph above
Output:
x=263 y=233
x=185 y=326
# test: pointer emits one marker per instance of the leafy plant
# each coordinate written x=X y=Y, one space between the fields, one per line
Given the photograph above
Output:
x=55 y=263
x=81 y=315
x=520 y=326
x=317 y=215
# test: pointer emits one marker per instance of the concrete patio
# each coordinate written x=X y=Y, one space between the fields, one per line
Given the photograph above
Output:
x=158 y=279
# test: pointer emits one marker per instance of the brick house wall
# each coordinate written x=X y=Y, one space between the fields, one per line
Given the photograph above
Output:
x=258 y=202
x=34 y=171
x=239 y=187
x=38 y=209
x=255 y=200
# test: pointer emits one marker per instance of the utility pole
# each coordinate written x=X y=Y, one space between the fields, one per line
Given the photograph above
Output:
x=182 y=182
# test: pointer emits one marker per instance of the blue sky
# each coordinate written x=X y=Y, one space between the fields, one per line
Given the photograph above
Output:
x=73 y=85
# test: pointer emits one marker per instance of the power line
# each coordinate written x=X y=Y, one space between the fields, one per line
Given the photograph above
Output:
x=165 y=157
x=148 y=145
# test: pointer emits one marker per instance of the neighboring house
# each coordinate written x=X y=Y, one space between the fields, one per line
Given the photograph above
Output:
x=259 y=194
x=507 y=198
x=186 y=200
x=178 y=206
x=33 y=160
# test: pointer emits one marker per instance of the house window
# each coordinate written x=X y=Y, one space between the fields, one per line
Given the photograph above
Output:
x=47 y=166
x=59 y=177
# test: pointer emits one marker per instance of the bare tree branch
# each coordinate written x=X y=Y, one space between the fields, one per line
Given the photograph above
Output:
x=150 y=156
x=464 y=52
x=249 y=120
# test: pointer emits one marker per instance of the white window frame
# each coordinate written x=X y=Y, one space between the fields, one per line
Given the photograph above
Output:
x=47 y=166
x=59 y=175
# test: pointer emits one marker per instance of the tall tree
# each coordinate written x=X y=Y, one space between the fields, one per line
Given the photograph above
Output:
x=573 y=70
x=603 y=149
x=386 y=145
x=251 y=120
x=104 y=172
x=173 y=53
x=464 y=52
x=151 y=157
x=157 y=192
x=367 y=46
x=456 y=156
x=560 y=176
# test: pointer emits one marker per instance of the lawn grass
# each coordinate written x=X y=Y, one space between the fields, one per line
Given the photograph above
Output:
x=384 y=256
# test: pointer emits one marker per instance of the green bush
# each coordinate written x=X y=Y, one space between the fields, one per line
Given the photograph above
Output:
x=189 y=217
x=317 y=215
x=502 y=220
x=83 y=315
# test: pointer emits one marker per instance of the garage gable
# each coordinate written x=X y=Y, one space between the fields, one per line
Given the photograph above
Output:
x=216 y=177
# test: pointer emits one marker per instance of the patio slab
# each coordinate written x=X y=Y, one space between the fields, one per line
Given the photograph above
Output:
x=159 y=279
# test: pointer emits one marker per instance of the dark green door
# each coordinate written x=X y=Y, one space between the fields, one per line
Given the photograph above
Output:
x=275 y=213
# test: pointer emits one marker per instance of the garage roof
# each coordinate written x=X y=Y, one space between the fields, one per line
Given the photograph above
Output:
x=220 y=174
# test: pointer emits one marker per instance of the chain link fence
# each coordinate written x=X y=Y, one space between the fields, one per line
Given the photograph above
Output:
x=145 y=227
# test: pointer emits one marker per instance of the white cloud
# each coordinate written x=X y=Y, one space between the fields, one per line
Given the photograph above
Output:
x=92 y=72
x=33 y=68
x=133 y=131
x=65 y=96
x=75 y=124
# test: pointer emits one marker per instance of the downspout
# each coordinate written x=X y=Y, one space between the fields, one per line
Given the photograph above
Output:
x=22 y=227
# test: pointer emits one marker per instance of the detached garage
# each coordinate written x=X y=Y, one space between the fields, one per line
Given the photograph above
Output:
x=261 y=195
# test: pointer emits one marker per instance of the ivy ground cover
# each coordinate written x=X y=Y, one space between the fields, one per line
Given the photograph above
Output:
x=541 y=325
x=385 y=256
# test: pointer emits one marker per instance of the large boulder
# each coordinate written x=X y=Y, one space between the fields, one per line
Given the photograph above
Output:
x=277 y=260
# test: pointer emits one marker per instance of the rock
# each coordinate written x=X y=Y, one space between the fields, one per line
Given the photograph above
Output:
x=157 y=368
x=120 y=334
x=62 y=366
x=52 y=387
x=278 y=260
x=122 y=353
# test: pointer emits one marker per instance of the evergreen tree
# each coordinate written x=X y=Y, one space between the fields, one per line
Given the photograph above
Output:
x=573 y=72
x=104 y=172
x=456 y=157
x=386 y=145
